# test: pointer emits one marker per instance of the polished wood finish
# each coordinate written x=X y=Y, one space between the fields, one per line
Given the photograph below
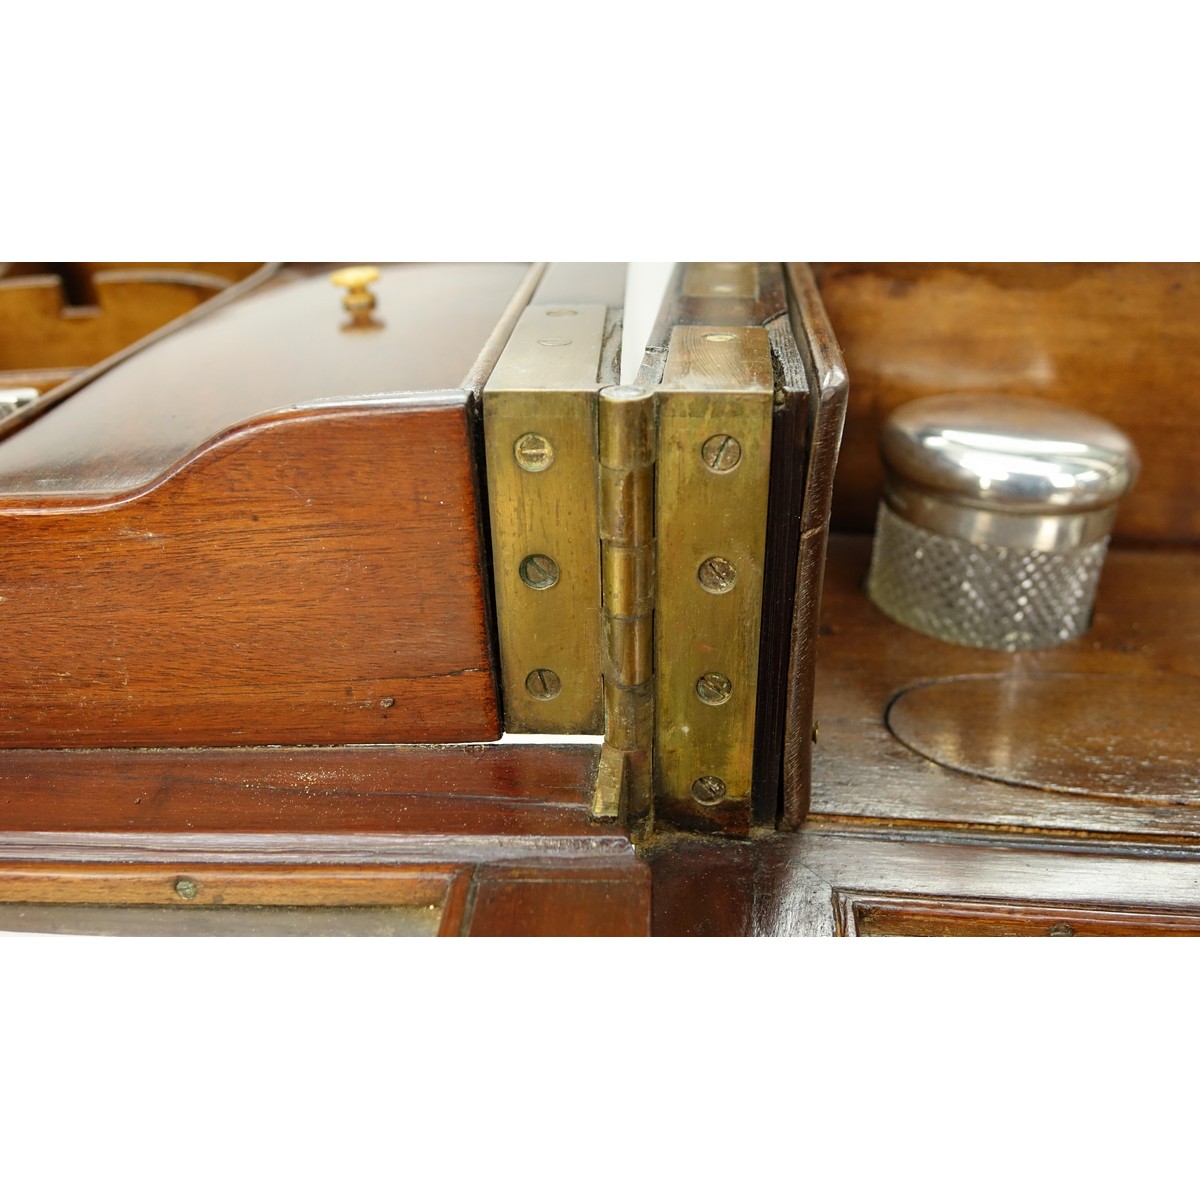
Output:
x=828 y=386
x=829 y=881
x=71 y=315
x=297 y=792
x=288 y=343
x=498 y=839
x=1057 y=794
x=572 y=900
x=1118 y=736
x=1120 y=340
x=1105 y=720
x=955 y=791
x=887 y=916
x=306 y=578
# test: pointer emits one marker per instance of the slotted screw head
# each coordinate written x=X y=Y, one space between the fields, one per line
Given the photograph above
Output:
x=708 y=789
x=717 y=575
x=538 y=571
x=714 y=688
x=533 y=452
x=543 y=684
x=721 y=453
x=187 y=889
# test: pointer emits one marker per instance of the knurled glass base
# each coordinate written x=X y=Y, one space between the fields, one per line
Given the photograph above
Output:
x=987 y=596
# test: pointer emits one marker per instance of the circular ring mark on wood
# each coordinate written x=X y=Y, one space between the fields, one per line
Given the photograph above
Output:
x=1092 y=735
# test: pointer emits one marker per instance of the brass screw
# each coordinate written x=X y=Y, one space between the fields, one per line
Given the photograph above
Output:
x=1061 y=929
x=187 y=889
x=714 y=688
x=538 y=571
x=533 y=452
x=708 y=789
x=358 y=300
x=543 y=684
x=721 y=453
x=717 y=575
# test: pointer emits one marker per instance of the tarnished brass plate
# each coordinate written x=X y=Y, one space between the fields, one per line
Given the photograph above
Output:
x=539 y=426
x=721 y=281
x=711 y=534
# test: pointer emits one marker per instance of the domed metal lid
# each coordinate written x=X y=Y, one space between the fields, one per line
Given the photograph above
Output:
x=1008 y=454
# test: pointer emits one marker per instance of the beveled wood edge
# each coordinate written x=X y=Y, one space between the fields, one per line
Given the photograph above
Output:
x=827 y=415
x=243 y=431
x=17 y=420
x=848 y=905
x=308 y=848
x=155 y=883
x=490 y=353
x=1024 y=871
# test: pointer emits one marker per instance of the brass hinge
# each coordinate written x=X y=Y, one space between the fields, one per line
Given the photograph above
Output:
x=628 y=538
x=627 y=570
x=539 y=429
x=714 y=453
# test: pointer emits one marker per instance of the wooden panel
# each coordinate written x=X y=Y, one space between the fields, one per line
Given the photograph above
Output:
x=1121 y=340
x=375 y=840
x=903 y=917
x=210 y=884
x=807 y=884
x=1146 y=633
x=463 y=790
x=206 y=899
x=42 y=326
x=589 y=900
x=589 y=896
x=1100 y=735
x=307 y=579
x=283 y=345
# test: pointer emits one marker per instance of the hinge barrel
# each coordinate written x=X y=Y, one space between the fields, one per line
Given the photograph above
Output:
x=627 y=438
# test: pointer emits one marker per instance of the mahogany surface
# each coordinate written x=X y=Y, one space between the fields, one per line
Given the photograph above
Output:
x=824 y=881
x=69 y=315
x=297 y=790
x=1133 y=679
x=1120 y=340
x=306 y=579
x=284 y=344
x=943 y=801
x=497 y=839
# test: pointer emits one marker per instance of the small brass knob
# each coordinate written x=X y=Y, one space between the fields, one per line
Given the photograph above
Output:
x=359 y=300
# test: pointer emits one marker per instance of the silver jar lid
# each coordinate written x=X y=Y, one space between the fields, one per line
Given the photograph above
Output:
x=1006 y=471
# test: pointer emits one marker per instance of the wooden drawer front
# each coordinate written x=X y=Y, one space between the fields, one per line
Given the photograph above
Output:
x=895 y=916
x=255 y=900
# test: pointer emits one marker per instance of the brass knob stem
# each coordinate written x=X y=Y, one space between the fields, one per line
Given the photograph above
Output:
x=359 y=300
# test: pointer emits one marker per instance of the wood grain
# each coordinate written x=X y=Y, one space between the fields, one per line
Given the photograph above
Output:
x=76 y=314
x=1120 y=340
x=313 y=578
x=1084 y=733
x=812 y=883
x=828 y=386
x=862 y=916
x=596 y=899
x=498 y=839
x=281 y=346
x=1146 y=636
x=476 y=790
